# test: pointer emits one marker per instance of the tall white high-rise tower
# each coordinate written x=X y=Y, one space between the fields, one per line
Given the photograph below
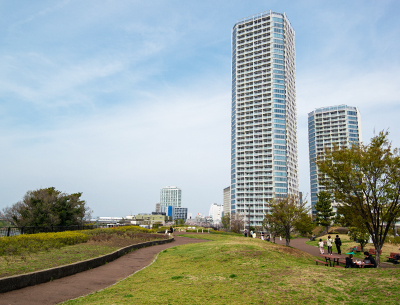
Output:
x=264 y=114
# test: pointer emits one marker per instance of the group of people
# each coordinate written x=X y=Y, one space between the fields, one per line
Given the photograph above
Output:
x=254 y=235
x=368 y=259
x=329 y=243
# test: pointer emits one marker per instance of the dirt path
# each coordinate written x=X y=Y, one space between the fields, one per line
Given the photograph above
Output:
x=89 y=281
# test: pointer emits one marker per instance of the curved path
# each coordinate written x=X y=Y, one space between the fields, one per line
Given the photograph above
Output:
x=83 y=283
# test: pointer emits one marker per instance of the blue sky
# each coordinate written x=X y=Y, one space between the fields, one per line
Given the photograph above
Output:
x=117 y=99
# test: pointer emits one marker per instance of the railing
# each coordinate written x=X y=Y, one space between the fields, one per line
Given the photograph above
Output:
x=14 y=231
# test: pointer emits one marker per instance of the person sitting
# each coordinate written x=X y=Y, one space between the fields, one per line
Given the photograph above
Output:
x=368 y=259
x=349 y=262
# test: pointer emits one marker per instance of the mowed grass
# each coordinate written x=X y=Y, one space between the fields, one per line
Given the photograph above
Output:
x=99 y=245
x=238 y=270
x=13 y=265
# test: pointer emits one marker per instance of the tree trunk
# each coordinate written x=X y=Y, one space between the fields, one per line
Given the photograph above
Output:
x=377 y=256
x=287 y=237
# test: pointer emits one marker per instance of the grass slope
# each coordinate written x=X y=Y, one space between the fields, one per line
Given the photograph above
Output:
x=14 y=265
x=232 y=269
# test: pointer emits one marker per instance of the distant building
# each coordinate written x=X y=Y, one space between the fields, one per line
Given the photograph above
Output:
x=158 y=207
x=189 y=216
x=145 y=218
x=215 y=212
x=329 y=126
x=105 y=220
x=170 y=196
x=227 y=201
x=177 y=213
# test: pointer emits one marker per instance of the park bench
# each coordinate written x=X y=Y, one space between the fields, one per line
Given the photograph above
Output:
x=393 y=256
x=372 y=251
x=337 y=266
x=321 y=262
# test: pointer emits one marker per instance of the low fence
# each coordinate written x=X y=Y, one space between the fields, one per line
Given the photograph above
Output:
x=14 y=231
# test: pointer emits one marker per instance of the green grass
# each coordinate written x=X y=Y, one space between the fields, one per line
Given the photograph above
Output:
x=13 y=265
x=44 y=256
x=231 y=269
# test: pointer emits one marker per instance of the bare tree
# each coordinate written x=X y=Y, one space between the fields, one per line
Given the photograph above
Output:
x=236 y=223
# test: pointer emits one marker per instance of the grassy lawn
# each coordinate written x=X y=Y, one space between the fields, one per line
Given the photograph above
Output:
x=43 y=255
x=233 y=269
x=13 y=265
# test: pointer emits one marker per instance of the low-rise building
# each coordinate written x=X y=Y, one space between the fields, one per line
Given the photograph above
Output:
x=106 y=220
x=177 y=213
x=153 y=218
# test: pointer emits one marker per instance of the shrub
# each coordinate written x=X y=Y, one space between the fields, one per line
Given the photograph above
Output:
x=27 y=243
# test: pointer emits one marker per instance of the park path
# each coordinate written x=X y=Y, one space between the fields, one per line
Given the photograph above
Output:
x=89 y=281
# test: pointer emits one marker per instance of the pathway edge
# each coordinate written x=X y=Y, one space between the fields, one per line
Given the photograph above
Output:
x=33 y=278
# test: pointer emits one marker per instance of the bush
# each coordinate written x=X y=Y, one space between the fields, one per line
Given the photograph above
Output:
x=15 y=245
x=338 y=230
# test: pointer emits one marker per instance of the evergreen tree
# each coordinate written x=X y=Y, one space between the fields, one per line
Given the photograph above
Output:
x=323 y=207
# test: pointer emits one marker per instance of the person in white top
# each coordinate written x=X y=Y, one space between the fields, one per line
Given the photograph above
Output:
x=321 y=246
x=329 y=242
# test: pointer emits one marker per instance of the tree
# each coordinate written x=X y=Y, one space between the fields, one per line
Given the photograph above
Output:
x=179 y=222
x=305 y=224
x=237 y=223
x=272 y=227
x=324 y=209
x=365 y=180
x=48 y=207
x=359 y=235
x=226 y=220
x=285 y=213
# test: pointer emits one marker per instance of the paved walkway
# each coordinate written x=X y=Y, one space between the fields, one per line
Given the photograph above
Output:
x=83 y=283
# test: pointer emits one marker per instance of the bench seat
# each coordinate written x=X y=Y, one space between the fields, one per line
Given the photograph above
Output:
x=321 y=262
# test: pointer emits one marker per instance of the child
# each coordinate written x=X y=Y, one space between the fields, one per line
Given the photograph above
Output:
x=321 y=246
x=329 y=242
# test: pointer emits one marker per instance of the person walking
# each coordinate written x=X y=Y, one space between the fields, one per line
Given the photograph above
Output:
x=262 y=235
x=251 y=233
x=245 y=232
x=338 y=243
x=321 y=246
x=329 y=242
